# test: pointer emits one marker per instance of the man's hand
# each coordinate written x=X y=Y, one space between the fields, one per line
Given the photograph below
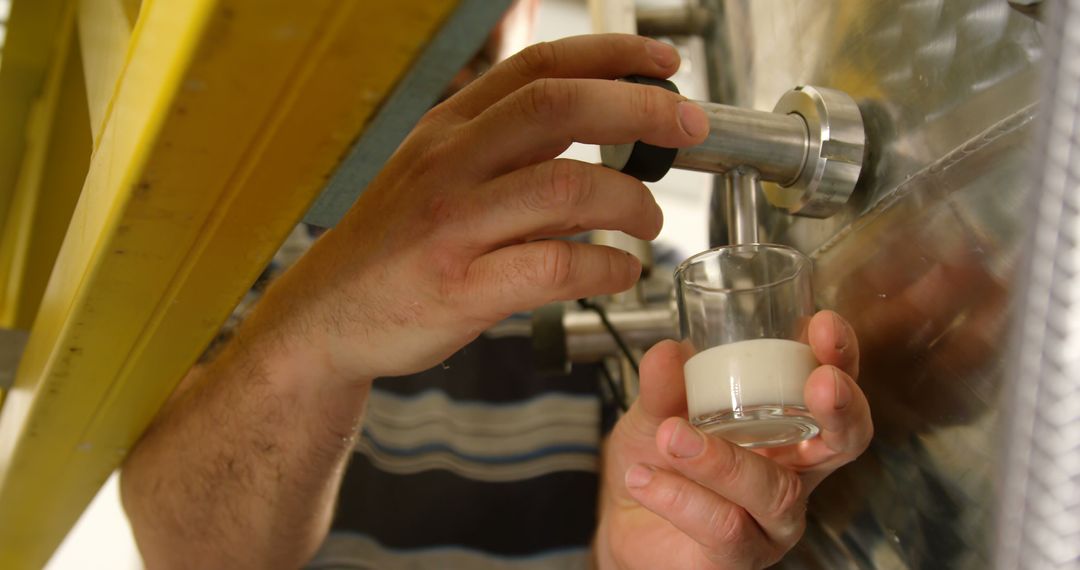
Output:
x=675 y=498
x=241 y=468
x=452 y=236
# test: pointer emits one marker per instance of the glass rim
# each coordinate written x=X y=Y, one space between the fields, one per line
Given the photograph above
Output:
x=802 y=264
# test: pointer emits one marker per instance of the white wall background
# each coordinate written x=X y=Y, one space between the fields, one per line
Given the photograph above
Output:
x=683 y=195
x=101 y=540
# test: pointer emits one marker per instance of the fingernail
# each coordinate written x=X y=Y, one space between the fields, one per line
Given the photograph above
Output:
x=686 y=442
x=693 y=119
x=843 y=391
x=662 y=54
x=840 y=330
x=638 y=476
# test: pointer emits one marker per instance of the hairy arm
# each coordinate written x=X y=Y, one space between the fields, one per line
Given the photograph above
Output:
x=241 y=468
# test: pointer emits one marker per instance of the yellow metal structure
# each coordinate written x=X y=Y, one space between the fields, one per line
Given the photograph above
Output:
x=54 y=163
x=33 y=30
x=104 y=35
x=41 y=99
x=225 y=119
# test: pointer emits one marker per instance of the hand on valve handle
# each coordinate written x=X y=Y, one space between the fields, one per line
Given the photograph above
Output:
x=451 y=236
x=676 y=498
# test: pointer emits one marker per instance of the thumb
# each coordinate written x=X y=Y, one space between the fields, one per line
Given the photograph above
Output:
x=663 y=392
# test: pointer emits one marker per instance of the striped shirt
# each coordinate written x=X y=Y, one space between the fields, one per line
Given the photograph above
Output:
x=476 y=464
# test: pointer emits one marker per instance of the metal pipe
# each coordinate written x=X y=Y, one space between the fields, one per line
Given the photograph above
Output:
x=677 y=21
x=773 y=144
x=812 y=143
x=741 y=194
x=588 y=341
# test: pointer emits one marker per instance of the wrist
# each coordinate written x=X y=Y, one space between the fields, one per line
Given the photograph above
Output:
x=287 y=331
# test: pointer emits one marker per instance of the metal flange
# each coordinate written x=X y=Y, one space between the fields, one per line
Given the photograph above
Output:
x=836 y=142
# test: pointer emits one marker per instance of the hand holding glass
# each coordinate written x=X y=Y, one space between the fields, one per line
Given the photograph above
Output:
x=745 y=310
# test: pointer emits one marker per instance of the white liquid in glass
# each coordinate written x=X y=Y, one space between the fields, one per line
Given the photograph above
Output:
x=748 y=373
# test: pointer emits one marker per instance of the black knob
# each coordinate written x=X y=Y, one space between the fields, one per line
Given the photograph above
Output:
x=641 y=160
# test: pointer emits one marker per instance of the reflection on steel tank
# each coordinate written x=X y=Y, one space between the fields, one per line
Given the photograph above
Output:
x=923 y=258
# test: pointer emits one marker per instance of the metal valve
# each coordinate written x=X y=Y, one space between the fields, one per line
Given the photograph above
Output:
x=811 y=145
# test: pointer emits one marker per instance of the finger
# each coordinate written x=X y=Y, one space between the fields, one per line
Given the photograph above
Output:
x=599 y=56
x=542 y=119
x=773 y=495
x=841 y=410
x=557 y=198
x=662 y=391
x=834 y=342
x=724 y=529
x=843 y=414
x=525 y=276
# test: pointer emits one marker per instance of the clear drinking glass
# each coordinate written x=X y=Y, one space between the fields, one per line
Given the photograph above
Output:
x=745 y=310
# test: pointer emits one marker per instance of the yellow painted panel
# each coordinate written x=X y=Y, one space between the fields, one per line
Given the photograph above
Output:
x=228 y=118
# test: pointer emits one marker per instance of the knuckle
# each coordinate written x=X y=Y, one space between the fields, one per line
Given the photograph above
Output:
x=788 y=499
x=644 y=101
x=678 y=498
x=434 y=118
x=447 y=268
x=565 y=186
x=556 y=263
x=537 y=60
x=438 y=209
x=729 y=464
x=546 y=100
x=726 y=527
x=429 y=155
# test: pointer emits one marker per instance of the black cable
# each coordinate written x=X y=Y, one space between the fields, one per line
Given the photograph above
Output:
x=588 y=305
x=616 y=394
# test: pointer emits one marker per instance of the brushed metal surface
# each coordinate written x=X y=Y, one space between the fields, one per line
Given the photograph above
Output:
x=774 y=144
x=1039 y=495
x=741 y=188
x=922 y=260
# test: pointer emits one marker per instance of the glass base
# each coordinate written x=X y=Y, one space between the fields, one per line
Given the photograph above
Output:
x=760 y=426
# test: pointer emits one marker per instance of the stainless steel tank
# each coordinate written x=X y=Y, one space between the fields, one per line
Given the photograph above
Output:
x=922 y=260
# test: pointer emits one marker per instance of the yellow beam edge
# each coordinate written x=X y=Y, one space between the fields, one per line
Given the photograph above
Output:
x=228 y=119
x=104 y=35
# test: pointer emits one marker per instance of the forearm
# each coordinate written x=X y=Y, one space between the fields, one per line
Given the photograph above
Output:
x=241 y=469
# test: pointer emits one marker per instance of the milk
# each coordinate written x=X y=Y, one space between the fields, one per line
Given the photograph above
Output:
x=748 y=373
